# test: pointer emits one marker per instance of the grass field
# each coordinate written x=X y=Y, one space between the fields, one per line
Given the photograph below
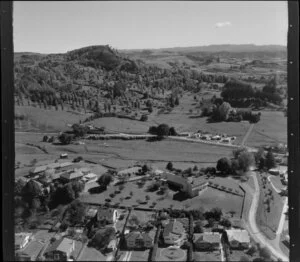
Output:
x=268 y=221
x=272 y=128
x=120 y=153
x=39 y=119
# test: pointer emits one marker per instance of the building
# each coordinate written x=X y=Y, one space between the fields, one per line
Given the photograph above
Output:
x=139 y=240
x=31 y=252
x=280 y=170
x=207 y=241
x=174 y=233
x=238 y=238
x=64 y=155
x=108 y=215
x=60 y=250
x=91 y=213
x=22 y=239
x=129 y=171
x=190 y=186
x=71 y=176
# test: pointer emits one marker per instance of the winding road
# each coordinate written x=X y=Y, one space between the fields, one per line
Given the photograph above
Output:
x=254 y=230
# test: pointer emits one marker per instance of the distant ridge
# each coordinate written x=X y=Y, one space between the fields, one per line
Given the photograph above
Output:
x=220 y=48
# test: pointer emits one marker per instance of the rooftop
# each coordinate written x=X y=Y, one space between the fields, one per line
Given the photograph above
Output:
x=173 y=227
x=239 y=235
x=32 y=249
x=64 y=245
x=72 y=175
x=208 y=237
x=20 y=237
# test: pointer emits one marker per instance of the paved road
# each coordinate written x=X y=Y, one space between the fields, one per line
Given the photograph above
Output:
x=256 y=234
x=247 y=134
x=282 y=218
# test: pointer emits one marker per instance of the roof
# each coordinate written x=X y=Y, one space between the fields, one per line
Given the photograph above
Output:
x=44 y=167
x=173 y=227
x=20 y=237
x=72 y=175
x=64 y=245
x=84 y=169
x=241 y=236
x=139 y=235
x=134 y=169
x=90 y=175
x=91 y=212
x=208 y=237
x=32 y=249
x=65 y=164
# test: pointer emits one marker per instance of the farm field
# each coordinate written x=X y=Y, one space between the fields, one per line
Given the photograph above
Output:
x=268 y=221
x=272 y=128
x=40 y=119
x=120 y=153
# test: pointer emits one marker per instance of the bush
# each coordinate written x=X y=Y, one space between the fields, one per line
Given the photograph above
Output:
x=144 y=118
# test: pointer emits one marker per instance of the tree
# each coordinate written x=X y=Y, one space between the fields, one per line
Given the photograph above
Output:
x=265 y=253
x=65 y=138
x=170 y=166
x=172 y=132
x=270 y=160
x=76 y=212
x=245 y=160
x=30 y=191
x=198 y=228
x=144 y=118
x=105 y=180
x=225 y=222
x=103 y=237
x=163 y=130
x=224 y=111
x=79 y=130
x=224 y=165
x=234 y=165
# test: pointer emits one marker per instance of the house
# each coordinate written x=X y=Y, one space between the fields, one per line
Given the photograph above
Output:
x=91 y=213
x=131 y=171
x=238 y=238
x=138 y=240
x=31 y=252
x=64 y=155
x=217 y=137
x=60 y=250
x=107 y=215
x=22 y=239
x=207 y=241
x=174 y=233
x=71 y=176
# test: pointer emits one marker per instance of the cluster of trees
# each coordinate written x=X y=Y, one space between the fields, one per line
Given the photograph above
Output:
x=264 y=160
x=162 y=130
x=241 y=94
x=242 y=160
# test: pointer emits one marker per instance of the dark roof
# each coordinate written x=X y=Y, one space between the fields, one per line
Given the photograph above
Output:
x=105 y=214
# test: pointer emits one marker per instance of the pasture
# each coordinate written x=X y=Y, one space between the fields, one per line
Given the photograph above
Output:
x=272 y=128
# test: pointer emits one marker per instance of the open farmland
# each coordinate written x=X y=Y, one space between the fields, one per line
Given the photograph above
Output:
x=272 y=128
x=40 y=119
x=129 y=152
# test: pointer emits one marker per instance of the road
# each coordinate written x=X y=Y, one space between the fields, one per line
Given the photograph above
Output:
x=255 y=232
x=127 y=256
x=247 y=135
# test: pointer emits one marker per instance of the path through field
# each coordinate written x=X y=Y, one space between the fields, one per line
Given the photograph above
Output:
x=247 y=134
x=273 y=246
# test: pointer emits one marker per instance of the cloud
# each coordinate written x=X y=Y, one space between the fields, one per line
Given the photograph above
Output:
x=223 y=24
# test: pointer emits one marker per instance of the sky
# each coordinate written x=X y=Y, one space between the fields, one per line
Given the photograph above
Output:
x=58 y=27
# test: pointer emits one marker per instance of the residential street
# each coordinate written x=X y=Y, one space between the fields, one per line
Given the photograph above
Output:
x=273 y=246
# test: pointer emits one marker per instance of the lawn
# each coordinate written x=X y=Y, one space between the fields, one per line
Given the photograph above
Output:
x=272 y=128
x=207 y=256
x=210 y=198
x=143 y=216
x=168 y=254
x=140 y=255
x=91 y=254
x=268 y=221
x=236 y=255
